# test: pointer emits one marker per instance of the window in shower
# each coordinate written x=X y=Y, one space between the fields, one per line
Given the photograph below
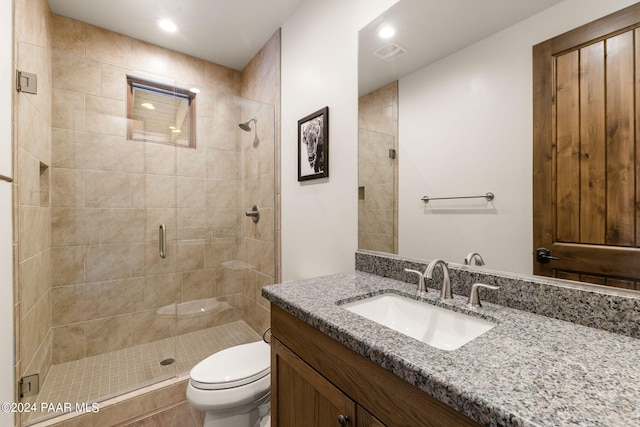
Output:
x=160 y=113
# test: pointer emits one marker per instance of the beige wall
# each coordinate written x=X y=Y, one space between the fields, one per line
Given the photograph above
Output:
x=32 y=161
x=377 y=172
x=259 y=172
x=109 y=195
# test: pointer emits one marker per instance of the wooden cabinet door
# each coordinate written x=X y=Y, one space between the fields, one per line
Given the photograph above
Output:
x=586 y=152
x=302 y=397
x=365 y=419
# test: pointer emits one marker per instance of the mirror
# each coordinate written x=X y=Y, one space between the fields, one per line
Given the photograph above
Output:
x=464 y=126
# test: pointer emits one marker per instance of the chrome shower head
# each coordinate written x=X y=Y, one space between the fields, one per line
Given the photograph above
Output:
x=245 y=126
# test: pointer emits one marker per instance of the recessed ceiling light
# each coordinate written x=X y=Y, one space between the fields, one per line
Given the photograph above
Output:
x=387 y=32
x=167 y=25
x=194 y=90
x=176 y=131
x=148 y=105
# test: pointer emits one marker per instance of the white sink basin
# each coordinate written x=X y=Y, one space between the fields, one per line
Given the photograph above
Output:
x=438 y=327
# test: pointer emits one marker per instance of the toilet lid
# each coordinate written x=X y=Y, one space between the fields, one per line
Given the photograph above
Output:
x=232 y=367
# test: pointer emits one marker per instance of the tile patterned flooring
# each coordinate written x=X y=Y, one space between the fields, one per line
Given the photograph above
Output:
x=97 y=378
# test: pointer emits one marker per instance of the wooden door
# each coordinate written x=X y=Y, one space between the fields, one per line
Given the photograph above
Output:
x=303 y=396
x=586 y=155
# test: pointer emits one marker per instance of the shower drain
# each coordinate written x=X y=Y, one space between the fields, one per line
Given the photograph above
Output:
x=166 y=362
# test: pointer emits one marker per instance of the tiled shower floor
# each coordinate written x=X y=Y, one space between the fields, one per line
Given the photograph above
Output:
x=98 y=378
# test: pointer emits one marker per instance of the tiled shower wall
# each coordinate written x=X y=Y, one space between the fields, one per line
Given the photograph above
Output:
x=259 y=166
x=109 y=195
x=32 y=160
x=377 y=170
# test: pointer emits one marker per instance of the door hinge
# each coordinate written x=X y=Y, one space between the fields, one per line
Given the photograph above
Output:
x=29 y=385
x=26 y=82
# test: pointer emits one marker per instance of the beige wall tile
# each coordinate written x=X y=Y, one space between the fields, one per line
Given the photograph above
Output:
x=155 y=217
x=67 y=35
x=107 y=189
x=75 y=303
x=35 y=279
x=34 y=130
x=108 y=47
x=76 y=73
x=118 y=337
x=162 y=290
x=160 y=191
x=223 y=78
x=148 y=326
x=67 y=187
x=41 y=361
x=229 y=281
x=67 y=265
x=222 y=164
x=191 y=192
x=190 y=255
x=68 y=343
x=219 y=251
x=193 y=223
x=219 y=134
x=71 y=226
x=74 y=149
x=160 y=159
x=106 y=116
x=37 y=60
x=153 y=264
x=228 y=107
x=192 y=162
x=114 y=81
x=119 y=155
x=121 y=296
x=68 y=110
x=188 y=69
x=35 y=234
x=108 y=262
x=122 y=225
x=28 y=178
x=151 y=58
x=198 y=285
x=221 y=194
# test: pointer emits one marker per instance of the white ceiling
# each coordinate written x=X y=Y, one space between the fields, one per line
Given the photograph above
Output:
x=431 y=30
x=227 y=32
x=231 y=32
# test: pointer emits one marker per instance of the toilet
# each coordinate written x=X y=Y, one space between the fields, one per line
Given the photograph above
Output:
x=232 y=386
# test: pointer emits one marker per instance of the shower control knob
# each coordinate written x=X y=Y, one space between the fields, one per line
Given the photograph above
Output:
x=343 y=420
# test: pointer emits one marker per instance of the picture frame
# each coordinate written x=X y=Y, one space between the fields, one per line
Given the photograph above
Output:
x=313 y=145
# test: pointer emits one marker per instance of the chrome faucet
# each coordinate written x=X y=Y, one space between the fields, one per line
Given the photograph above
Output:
x=421 y=286
x=474 y=295
x=473 y=256
x=446 y=282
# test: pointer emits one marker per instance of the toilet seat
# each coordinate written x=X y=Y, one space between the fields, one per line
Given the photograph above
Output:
x=232 y=367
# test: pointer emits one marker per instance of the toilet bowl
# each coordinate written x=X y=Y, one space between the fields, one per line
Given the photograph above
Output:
x=232 y=386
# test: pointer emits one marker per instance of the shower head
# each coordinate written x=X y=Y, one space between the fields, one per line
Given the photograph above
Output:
x=245 y=126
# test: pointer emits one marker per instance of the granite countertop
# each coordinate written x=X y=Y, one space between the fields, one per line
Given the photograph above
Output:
x=529 y=370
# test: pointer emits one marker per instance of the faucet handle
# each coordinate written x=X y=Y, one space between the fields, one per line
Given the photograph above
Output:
x=421 y=286
x=474 y=296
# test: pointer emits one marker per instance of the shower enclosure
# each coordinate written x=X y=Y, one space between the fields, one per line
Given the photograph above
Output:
x=153 y=263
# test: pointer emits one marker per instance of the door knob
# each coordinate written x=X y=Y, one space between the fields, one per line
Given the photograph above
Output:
x=543 y=256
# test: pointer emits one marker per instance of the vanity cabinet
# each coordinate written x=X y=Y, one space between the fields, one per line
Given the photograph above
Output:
x=316 y=381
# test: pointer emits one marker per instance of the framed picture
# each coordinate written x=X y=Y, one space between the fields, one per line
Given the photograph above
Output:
x=313 y=145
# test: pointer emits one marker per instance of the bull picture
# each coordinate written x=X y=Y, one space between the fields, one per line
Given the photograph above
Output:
x=312 y=137
x=313 y=145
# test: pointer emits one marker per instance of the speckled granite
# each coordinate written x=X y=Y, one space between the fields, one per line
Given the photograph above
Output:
x=611 y=309
x=530 y=370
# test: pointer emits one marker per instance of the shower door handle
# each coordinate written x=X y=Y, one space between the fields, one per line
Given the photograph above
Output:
x=162 y=239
